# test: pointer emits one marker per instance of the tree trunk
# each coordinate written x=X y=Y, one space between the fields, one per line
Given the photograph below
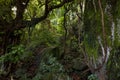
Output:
x=101 y=74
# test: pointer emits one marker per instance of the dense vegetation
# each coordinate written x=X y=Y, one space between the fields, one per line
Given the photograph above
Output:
x=59 y=40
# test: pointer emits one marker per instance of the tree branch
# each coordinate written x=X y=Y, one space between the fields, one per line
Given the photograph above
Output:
x=24 y=23
x=48 y=9
x=104 y=36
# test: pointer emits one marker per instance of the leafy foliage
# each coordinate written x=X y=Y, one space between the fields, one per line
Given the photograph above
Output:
x=14 y=55
x=50 y=70
x=49 y=40
x=92 y=77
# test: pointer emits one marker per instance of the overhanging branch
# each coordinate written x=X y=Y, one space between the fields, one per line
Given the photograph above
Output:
x=35 y=21
x=48 y=9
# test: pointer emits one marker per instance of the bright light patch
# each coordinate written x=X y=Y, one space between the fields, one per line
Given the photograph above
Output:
x=14 y=9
